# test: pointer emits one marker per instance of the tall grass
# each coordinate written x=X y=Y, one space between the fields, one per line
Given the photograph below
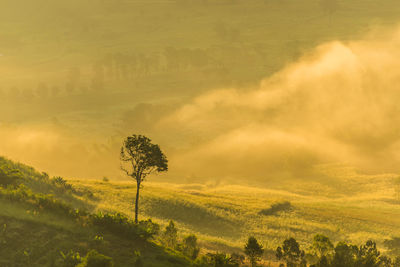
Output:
x=226 y=215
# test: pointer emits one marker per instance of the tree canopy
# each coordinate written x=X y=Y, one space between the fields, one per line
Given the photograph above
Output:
x=140 y=157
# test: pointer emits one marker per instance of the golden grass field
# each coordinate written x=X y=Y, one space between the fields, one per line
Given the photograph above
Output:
x=358 y=208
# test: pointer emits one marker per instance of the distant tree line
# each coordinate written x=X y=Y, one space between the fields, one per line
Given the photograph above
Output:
x=321 y=253
x=128 y=67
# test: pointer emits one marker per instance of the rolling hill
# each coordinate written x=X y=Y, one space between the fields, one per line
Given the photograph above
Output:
x=46 y=221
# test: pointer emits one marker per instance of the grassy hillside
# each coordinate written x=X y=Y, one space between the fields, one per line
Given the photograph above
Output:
x=44 y=218
x=40 y=221
x=223 y=216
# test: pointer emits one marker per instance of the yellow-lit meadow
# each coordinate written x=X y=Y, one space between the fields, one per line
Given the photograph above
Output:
x=224 y=216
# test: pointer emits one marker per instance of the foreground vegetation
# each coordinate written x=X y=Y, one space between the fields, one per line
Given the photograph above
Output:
x=47 y=222
x=50 y=222
x=227 y=214
x=224 y=216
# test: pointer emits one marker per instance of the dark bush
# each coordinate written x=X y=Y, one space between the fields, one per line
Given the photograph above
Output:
x=277 y=207
x=149 y=226
x=24 y=195
x=119 y=224
x=9 y=177
x=19 y=194
x=113 y=222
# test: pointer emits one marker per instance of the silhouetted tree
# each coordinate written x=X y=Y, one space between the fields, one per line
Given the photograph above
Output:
x=368 y=255
x=322 y=248
x=253 y=250
x=290 y=252
x=345 y=255
x=385 y=261
x=139 y=158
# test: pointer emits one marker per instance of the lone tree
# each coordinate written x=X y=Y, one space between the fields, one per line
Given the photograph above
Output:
x=139 y=158
x=253 y=250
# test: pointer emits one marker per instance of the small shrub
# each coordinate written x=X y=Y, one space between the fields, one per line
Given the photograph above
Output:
x=105 y=179
x=119 y=224
x=62 y=184
x=45 y=176
x=149 y=226
x=277 y=207
x=24 y=195
x=70 y=259
x=190 y=247
x=9 y=177
x=84 y=192
x=170 y=235
x=219 y=260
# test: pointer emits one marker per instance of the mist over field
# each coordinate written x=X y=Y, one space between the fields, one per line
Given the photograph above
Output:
x=240 y=103
x=336 y=104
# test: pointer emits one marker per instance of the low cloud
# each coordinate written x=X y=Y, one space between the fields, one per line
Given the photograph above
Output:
x=337 y=104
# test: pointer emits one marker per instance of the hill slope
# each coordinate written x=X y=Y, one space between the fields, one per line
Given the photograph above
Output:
x=40 y=221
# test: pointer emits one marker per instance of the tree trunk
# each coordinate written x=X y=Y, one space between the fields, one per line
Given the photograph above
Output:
x=137 y=202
